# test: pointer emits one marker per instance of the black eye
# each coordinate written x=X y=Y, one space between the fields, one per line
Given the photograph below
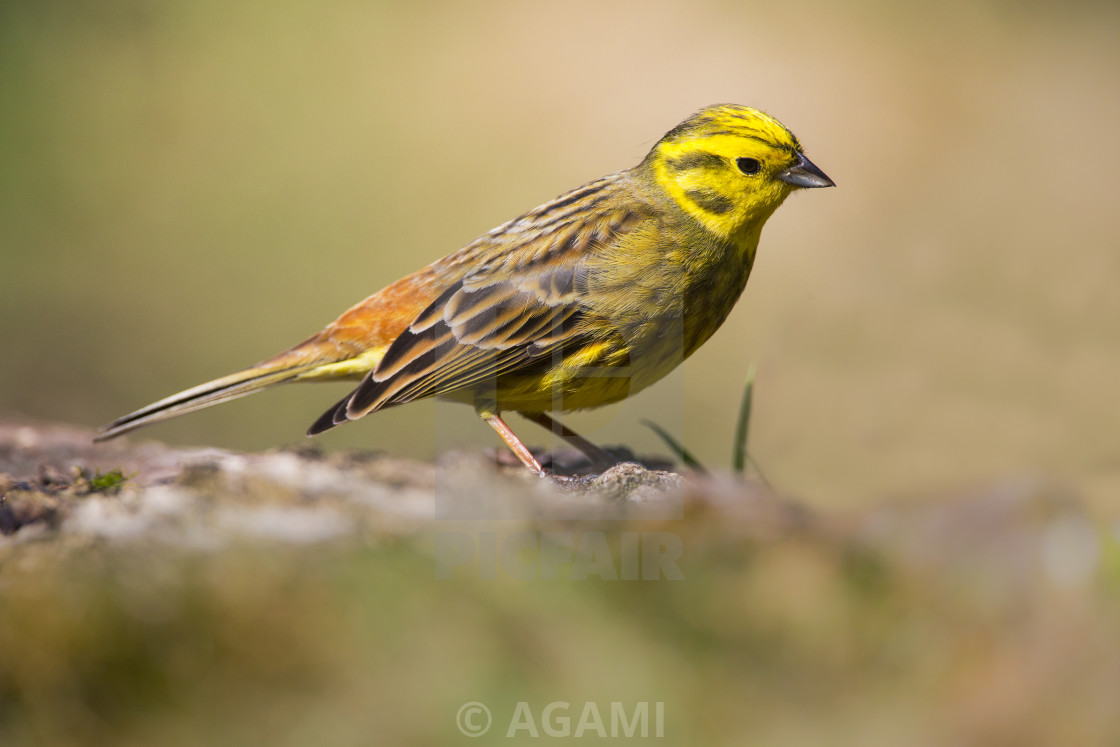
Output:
x=748 y=166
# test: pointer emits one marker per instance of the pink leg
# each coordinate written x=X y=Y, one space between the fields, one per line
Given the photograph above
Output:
x=519 y=449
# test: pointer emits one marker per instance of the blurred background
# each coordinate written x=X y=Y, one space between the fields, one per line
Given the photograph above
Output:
x=189 y=187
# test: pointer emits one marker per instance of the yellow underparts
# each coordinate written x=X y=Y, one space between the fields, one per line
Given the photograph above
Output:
x=591 y=376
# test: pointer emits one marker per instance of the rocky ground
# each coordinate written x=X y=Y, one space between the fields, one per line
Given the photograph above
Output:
x=151 y=594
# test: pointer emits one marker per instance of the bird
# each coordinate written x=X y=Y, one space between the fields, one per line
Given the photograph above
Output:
x=578 y=303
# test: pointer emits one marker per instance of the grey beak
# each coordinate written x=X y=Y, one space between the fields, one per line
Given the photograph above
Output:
x=805 y=174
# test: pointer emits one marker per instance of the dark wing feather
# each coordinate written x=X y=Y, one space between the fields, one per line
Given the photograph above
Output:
x=516 y=303
x=492 y=331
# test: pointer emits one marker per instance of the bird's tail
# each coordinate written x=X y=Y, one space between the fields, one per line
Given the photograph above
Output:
x=348 y=348
x=310 y=361
x=211 y=393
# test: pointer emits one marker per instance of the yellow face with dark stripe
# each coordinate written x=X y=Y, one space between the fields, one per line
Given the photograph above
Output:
x=726 y=166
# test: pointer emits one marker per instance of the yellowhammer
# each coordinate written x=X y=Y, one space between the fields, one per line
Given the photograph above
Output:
x=578 y=303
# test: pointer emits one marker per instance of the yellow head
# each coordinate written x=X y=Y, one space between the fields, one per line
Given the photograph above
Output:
x=730 y=167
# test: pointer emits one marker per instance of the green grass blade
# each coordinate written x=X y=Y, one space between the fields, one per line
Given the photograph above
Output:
x=676 y=447
x=758 y=471
x=739 y=455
